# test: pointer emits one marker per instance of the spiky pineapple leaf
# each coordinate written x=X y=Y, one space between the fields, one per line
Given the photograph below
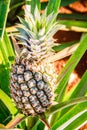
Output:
x=76 y=16
x=64 y=81
x=4 y=53
x=66 y=104
x=16 y=120
x=35 y=127
x=73 y=61
x=53 y=6
x=35 y=3
x=6 y=58
x=65 y=3
x=6 y=50
x=80 y=26
x=5 y=115
x=4 y=79
x=69 y=23
x=8 y=102
x=4 y=6
x=77 y=123
x=81 y=89
x=70 y=116
x=9 y=47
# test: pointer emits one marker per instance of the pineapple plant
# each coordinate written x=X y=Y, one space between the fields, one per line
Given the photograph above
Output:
x=33 y=78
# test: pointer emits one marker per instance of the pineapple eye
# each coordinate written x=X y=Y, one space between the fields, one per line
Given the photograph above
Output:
x=17 y=99
x=40 y=84
x=28 y=75
x=43 y=98
x=33 y=90
x=38 y=108
x=26 y=93
x=24 y=99
x=32 y=98
x=35 y=103
x=45 y=78
x=14 y=69
x=20 y=69
x=27 y=106
x=20 y=79
x=38 y=76
x=16 y=85
x=40 y=93
x=20 y=105
x=31 y=83
x=14 y=77
x=19 y=93
x=24 y=87
x=45 y=103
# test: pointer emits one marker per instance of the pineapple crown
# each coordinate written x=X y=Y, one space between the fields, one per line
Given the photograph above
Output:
x=37 y=30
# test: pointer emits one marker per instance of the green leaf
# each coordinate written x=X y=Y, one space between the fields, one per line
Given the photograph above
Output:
x=75 y=16
x=8 y=102
x=5 y=115
x=63 y=3
x=4 y=79
x=6 y=50
x=15 y=121
x=9 y=47
x=70 y=23
x=53 y=6
x=63 y=46
x=71 y=64
x=66 y=104
x=4 y=6
x=35 y=127
x=35 y=3
x=69 y=115
x=81 y=88
x=67 y=2
x=76 y=124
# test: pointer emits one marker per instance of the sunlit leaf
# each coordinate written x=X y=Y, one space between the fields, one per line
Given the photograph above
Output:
x=77 y=123
x=80 y=90
x=53 y=6
x=69 y=116
x=4 y=7
x=8 y=102
x=73 y=61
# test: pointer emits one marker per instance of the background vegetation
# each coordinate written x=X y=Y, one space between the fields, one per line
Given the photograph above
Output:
x=70 y=112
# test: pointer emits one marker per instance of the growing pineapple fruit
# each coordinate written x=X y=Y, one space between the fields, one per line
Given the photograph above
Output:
x=33 y=78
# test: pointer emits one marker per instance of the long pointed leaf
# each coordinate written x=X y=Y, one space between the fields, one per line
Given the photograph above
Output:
x=8 y=102
x=66 y=104
x=77 y=122
x=35 y=3
x=4 y=6
x=53 y=6
x=82 y=107
x=81 y=88
x=9 y=47
x=75 y=59
x=69 y=23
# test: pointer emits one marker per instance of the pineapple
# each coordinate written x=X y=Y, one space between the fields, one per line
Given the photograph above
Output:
x=33 y=78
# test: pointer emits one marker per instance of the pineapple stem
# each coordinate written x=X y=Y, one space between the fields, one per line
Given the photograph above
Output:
x=18 y=118
x=43 y=119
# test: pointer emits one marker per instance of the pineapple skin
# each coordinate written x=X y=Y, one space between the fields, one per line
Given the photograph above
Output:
x=30 y=86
